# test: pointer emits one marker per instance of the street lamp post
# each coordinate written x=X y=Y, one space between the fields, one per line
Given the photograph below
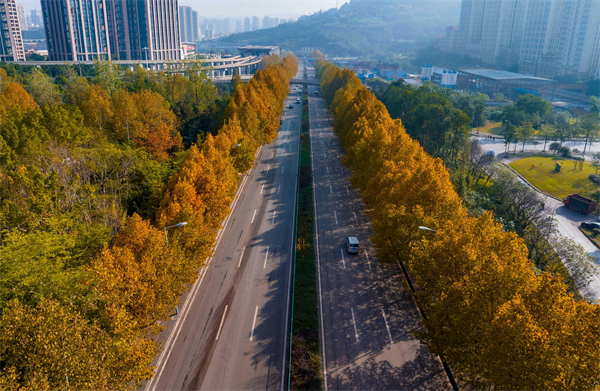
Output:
x=146 y=53
x=172 y=226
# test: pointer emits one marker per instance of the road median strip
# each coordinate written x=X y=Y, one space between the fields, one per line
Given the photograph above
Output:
x=305 y=369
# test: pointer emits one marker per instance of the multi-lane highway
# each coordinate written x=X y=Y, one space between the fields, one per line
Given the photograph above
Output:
x=366 y=314
x=231 y=330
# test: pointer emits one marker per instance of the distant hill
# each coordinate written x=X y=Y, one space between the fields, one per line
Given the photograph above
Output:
x=361 y=27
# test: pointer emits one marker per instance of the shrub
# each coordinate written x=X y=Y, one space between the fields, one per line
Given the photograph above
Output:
x=565 y=151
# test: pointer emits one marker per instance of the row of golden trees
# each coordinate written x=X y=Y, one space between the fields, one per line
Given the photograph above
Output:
x=495 y=321
x=102 y=338
x=141 y=277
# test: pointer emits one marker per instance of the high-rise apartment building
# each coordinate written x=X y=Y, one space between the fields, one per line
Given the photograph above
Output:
x=254 y=23
x=11 y=42
x=546 y=38
x=247 y=24
x=76 y=30
x=267 y=23
x=239 y=27
x=188 y=24
x=36 y=19
x=566 y=43
x=112 y=29
x=226 y=26
x=275 y=22
x=22 y=19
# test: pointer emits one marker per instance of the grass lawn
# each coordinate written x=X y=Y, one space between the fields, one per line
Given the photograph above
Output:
x=590 y=234
x=494 y=128
x=540 y=171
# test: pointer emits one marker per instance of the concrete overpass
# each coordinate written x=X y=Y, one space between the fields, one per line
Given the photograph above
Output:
x=217 y=66
x=308 y=82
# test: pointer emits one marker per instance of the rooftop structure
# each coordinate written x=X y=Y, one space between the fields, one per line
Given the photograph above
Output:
x=253 y=50
x=493 y=81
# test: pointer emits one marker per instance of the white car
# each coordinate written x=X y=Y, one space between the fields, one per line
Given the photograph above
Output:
x=352 y=244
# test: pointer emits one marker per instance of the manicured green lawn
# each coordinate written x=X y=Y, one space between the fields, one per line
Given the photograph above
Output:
x=540 y=171
x=494 y=128
x=590 y=234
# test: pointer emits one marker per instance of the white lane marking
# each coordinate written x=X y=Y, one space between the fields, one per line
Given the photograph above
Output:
x=343 y=260
x=355 y=218
x=166 y=352
x=241 y=256
x=347 y=191
x=327 y=168
x=268 y=168
x=272 y=153
x=262 y=188
x=354 y=324
x=274 y=214
x=278 y=188
x=253 y=216
x=254 y=323
x=222 y=320
x=368 y=262
x=266 y=256
x=335 y=214
x=387 y=327
x=323 y=154
x=282 y=167
x=330 y=190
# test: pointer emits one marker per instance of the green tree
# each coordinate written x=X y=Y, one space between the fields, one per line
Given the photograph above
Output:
x=108 y=76
x=525 y=134
x=42 y=88
x=236 y=81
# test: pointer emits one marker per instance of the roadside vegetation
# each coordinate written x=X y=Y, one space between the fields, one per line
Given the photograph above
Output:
x=90 y=173
x=498 y=320
x=306 y=358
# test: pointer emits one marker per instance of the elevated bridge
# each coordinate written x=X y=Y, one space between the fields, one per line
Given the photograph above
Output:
x=309 y=82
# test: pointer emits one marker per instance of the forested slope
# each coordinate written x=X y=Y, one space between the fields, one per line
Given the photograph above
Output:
x=90 y=173
x=360 y=28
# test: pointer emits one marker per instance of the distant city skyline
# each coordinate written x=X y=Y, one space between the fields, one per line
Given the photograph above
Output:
x=239 y=8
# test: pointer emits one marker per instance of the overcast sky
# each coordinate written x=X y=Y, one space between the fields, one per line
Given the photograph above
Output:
x=240 y=8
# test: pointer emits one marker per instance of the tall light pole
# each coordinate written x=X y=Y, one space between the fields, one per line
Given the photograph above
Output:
x=146 y=53
x=172 y=226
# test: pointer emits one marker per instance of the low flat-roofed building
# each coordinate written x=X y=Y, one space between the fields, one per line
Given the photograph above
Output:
x=253 y=50
x=494 y=81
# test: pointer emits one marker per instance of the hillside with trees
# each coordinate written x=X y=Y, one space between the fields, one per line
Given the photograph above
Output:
x=91 y=171
x=361 y=28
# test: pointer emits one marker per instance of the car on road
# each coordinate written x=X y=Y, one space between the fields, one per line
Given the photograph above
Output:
x=590 y=224
x=316 y=92
x=280 y=121
x=291 y=106
x=352 y=244
x=297 y=100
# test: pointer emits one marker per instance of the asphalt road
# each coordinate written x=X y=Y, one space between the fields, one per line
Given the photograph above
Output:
x=366 y=313
x=231 y=330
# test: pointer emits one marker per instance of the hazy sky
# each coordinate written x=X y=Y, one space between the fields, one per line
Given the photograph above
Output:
x=238 y=8
x=279 y=8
